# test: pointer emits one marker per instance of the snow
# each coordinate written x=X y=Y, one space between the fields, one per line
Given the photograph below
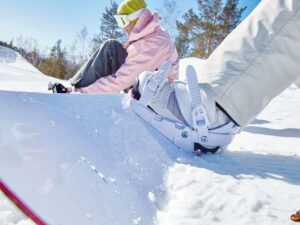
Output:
x=9 y=214
x=18 y=75
x=88 y=159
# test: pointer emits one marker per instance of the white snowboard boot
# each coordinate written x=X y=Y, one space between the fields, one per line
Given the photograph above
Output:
x=184 y=112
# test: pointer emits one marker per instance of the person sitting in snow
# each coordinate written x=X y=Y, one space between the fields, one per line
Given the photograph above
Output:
x=253 y=65
x=114 y=67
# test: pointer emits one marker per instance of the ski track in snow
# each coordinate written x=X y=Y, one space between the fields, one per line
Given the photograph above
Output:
x=256 y=180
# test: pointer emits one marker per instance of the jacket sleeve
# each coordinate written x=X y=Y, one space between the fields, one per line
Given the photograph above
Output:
x=142 y=56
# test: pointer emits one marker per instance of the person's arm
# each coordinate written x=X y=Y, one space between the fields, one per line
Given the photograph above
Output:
x=142 y=56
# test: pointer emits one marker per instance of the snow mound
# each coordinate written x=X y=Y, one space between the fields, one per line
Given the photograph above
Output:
x=19 y=75
x=12 y=59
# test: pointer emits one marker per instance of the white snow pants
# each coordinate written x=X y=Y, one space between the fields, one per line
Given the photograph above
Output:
x=257 y=61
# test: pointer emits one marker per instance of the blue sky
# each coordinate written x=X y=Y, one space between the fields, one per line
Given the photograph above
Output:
x=49 y=20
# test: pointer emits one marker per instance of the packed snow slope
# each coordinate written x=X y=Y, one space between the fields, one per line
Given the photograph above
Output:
x=18 y=75
x=88 y=159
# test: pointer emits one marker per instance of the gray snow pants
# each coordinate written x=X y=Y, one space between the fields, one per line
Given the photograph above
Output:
x=105 y=61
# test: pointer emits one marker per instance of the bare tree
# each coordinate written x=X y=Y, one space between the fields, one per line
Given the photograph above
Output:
x=31 y=50
x=169 y=14
x=78 y=52
x=83 y=50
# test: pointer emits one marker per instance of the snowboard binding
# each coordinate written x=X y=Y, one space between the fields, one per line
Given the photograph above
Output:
x=195 y=136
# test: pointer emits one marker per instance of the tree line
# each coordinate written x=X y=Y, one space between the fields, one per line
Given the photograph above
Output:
x=196 y=34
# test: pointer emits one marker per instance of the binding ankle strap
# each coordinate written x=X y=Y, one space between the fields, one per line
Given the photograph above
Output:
x=155 y=83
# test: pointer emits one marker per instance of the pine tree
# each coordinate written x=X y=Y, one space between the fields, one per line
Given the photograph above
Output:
x=210 y=21
x=61 y=63
x=56 y=64
x=230 y=17
x=108 y=26
x=186 y=33
x=200 y=34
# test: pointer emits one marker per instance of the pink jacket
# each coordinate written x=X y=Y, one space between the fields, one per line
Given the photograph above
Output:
x=148 y=48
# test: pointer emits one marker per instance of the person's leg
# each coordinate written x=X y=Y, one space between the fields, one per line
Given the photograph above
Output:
x=257 y=61
x=105 y=61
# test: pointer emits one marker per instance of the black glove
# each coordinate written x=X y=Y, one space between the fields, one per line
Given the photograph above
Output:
x=135 y=93
x=58 y=88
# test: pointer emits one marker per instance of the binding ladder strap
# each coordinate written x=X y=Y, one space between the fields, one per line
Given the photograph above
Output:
x=192 y=82
x=155 y=83
x=199 y=114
